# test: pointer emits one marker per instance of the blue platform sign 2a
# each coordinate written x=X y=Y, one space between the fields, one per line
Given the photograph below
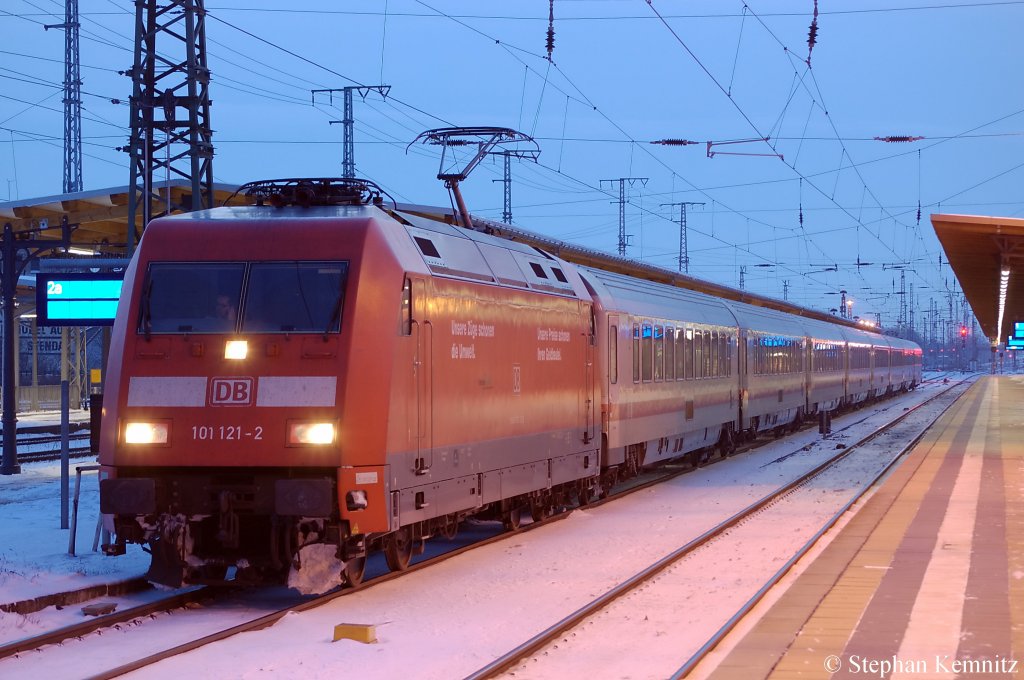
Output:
x=77 y=299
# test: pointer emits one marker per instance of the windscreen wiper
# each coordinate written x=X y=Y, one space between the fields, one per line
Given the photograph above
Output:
x=334 y=315
x=147 y=316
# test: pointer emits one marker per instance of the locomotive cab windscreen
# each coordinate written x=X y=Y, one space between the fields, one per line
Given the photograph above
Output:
x=238 y=297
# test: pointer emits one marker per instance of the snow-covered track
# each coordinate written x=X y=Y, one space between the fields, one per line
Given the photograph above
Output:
x=96 y=623
x=560 y=631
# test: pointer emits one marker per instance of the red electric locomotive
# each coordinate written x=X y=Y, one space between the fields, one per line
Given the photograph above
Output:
x=288 y=374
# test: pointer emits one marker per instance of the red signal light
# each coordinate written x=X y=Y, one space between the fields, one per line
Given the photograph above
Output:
x=963 y=331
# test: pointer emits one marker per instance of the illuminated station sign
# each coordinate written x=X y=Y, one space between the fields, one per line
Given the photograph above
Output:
x=77 y=299
x=1016 y=341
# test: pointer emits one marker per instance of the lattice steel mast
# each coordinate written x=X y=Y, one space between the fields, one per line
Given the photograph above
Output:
x=161 y=87
x=622 y=206
x=72 y=99
x=348 y=156
x=684 y=252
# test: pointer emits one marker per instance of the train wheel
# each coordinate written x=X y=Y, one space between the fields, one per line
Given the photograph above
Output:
x=726 y=443
x=398 y=549
x=584 y=492
x=354 y=570
x=450 y=528
x=541 y=510
x=512 y=518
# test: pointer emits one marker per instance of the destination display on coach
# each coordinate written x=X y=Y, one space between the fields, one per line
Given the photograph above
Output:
x=77 y=299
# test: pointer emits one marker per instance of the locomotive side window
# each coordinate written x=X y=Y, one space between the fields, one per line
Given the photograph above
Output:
x=189 y=297
x=427 y=246
x=538 y=270
x=295 y=297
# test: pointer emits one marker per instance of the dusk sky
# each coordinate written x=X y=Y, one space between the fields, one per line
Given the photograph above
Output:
x=821 y=205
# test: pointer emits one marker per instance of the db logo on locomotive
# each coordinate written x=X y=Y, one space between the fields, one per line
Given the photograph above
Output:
x=231 y=391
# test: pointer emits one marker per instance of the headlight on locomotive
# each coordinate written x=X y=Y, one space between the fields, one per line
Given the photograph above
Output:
x=310 y=434
x=155 y=432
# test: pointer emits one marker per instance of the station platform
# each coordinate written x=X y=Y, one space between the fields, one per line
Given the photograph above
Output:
x=927 y=579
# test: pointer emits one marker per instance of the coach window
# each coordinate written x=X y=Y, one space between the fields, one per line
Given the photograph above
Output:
x=670 y=354
x=698 y=354
x=659 y=353
x=726 y=355
x=720 y=364
x=613 y=354
x=688 y=353
x=636 y=353
x=647 y=352
x=680 y=354
x=715 y=370
x=704 y=339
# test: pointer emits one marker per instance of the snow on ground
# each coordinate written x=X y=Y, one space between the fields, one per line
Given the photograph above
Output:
x=445 y=621
x=34 y=557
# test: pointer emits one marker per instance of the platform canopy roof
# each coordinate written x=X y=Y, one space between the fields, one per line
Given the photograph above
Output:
x=979 y=249
x=99 y=217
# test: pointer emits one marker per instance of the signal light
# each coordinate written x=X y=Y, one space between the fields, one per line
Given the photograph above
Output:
x=963 y=331
x=236 y=349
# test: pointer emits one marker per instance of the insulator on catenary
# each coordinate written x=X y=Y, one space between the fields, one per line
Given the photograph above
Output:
x=674 y=142
x=812 y=33
x=551 y=28
x=898 y=138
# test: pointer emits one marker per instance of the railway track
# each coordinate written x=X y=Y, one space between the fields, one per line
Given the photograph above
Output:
x=78 y=447
x=178 y=601
x=559 y=631
x=300 y=604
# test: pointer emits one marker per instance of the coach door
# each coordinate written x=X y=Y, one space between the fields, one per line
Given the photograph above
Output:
x=423 y=377
x=588 y=378
x=743 y=363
